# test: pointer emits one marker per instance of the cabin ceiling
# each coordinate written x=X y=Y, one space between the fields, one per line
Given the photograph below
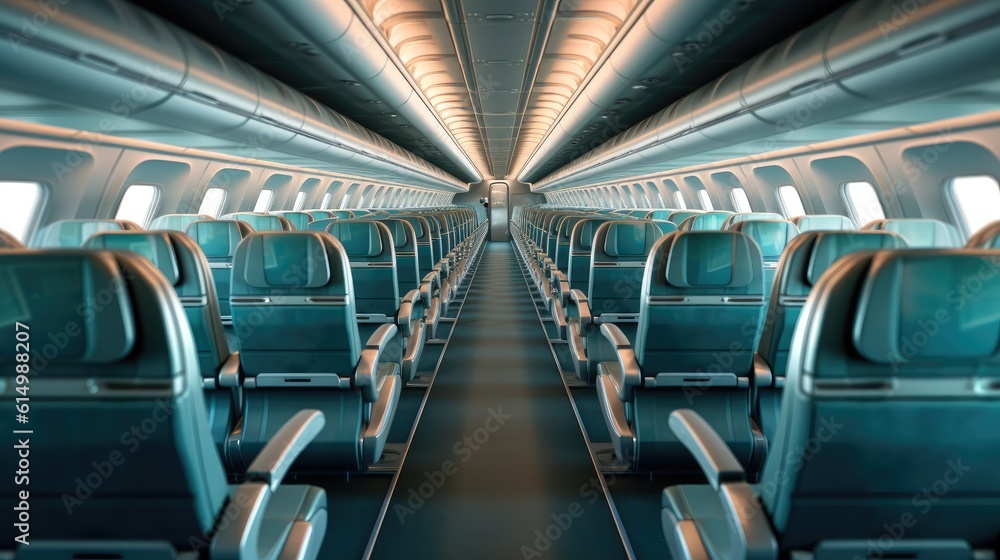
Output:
x=499 y=76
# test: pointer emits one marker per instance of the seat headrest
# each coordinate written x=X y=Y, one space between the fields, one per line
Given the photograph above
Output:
x=360 y=239
x=663 y=215
x=80 y=297
x=830 y=246
x=900 y=304
x=72 y=233
x=585 y=232
x=665 y=227
x=708 y=221
x=679 y=216
x=711 y=259
x=772 y=236
x=630 y=239
x=922 y=232
x=177 y=222
x=153 y=245
x=734 y=219
x=300 y=220
x=266 y=222
x=988 y=237
x=219 y=238
x=399 y=231
x=8 y=241
x=418 y=226
x=296 y=259
x=823 y=222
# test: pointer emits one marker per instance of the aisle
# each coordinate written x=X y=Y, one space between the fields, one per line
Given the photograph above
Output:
x=498 y=467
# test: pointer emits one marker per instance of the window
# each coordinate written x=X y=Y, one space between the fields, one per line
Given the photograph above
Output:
x=22 y=203
x=138 y=204
x=790 y=202
x=300 y=202
x=213 y=202
x=706 y=202
x=679 y=199
x=975 y=200
x=327 y=199
x=741 y=202
x=862 y=201
x=264 y=200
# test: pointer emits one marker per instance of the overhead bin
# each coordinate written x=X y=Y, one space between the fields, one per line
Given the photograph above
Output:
x=862 y=57
x=114 y=57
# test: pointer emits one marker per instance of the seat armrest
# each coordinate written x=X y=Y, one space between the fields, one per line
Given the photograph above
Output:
x=404 y=317
x=708 y=449
x=579 y=301
x=762 y=376
x=229 y=371
x=240 y=536
x=433 y=278
x=366 y=378
x=273 y=462
x=631 y=373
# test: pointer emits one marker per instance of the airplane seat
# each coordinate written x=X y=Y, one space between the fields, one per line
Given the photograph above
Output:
x=415 y=292
x=8 y=241
x=261 y=222
x=372 y=255
x=920 y=233
x=342 y=214
x=823 y=222
x=129 y=360
x=299 y=220
x=620 y=250
x=319 y=224
x=701 y=301
x=678 y=216
x=706 y=221
x=661 y=215
x=771 y=237
x=70 y=234
x=878 y=363
x=218 y=240
x=182 y=263
x=177 y=222
x=987 y=237
x=806 y=258
x=665 y=226
x=294 y=312
x=738 y=217
x=319 y=214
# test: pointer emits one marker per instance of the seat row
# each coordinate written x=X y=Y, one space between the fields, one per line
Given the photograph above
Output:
x=325 y=345
x=699 y=366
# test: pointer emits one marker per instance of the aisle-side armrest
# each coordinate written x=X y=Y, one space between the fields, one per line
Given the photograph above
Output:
x=628 y=371
x=366 y=378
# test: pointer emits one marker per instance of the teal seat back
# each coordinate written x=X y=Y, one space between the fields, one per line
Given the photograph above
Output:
x=883 y=363
x=299 y=220
x=921 y=232
x=706 y=221
x=319 y=214
x=372 y=256
x=660 y=215
x=823 y=222
x=561 y=256
x=665 y=227
x=177 y=222
x=734 y=219
x=618 y=257
x=320 y=224
x=771 y=236
x=261 y=222
x=122 y=393
x=426 y=255
x=678 y=216
x=71 y=234
x=702 y=296
x=580 y=250
x=218 y=240
x=182 y=263
x=404 y=239
x=342 y=214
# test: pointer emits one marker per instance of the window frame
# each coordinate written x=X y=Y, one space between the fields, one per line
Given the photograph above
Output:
x=738 y=196
x=151 y=209
x=955 y=207
x=778 y=189
x=270 y=200
x=221 y=208
x=40 y=206
x=852 y=207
